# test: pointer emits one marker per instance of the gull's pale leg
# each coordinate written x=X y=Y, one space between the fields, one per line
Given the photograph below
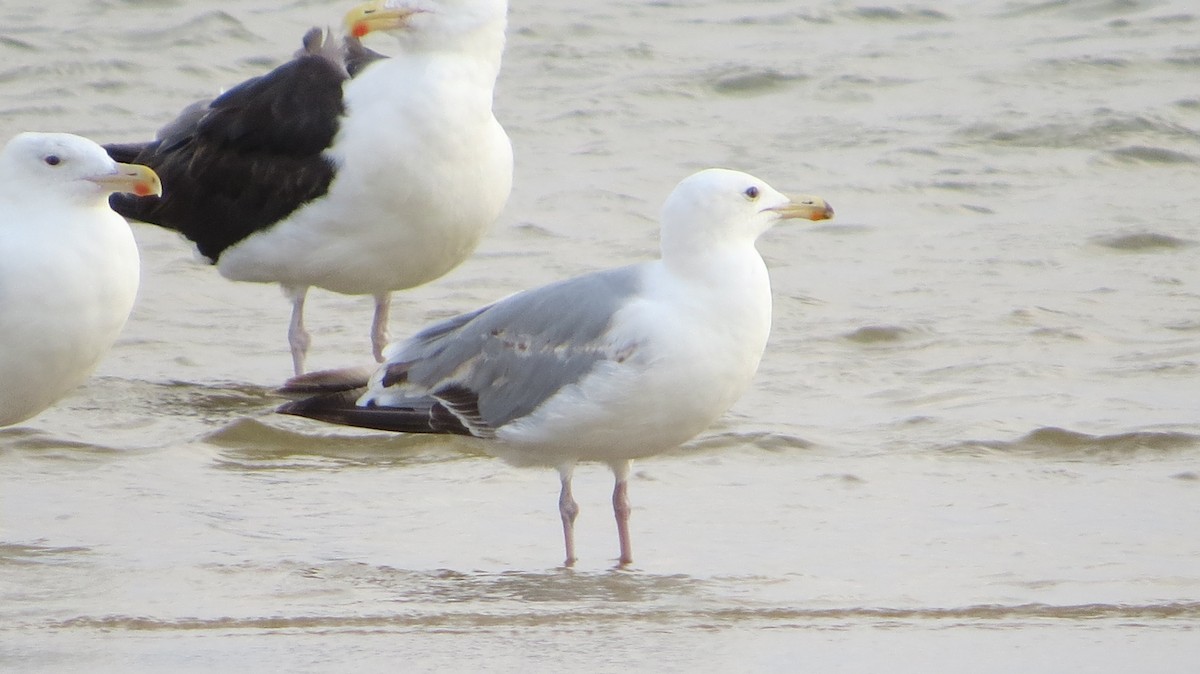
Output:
x=621 y=511
x=298 y=337
x=379 y=325
x=569 y=510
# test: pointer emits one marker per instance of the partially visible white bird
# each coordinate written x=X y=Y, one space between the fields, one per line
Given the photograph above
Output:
x=68 y=265
x=610 y=366
x=344 y=170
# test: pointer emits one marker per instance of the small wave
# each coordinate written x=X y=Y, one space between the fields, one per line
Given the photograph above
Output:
x=209 y=401
x=251 y=444
x=1141 y=242
x=1099 y=131
x=878 y=334
x=23 y=438
x=20 y=554
x=91 y=68
x=745 y=81
x=1059 y=443
x=654 y=614
x=13 y=43
x=1087 y=63
x=894 y=14
x=771 y=442
x=1187 y=58
x=1153 y=155
x=531 y=228
x=208 y=28
x=1080 y=10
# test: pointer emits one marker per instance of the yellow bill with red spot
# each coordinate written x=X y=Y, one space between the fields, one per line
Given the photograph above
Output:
x=131 y=179
x=377 y=15
x=805 y=207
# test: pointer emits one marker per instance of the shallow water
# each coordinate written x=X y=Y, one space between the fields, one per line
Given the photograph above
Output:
x=973 y=442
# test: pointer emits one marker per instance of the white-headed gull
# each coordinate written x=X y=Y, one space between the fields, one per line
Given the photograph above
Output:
x=610 y=366
x=68 y=265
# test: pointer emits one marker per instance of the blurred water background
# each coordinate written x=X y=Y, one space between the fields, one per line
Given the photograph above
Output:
x=973 y=443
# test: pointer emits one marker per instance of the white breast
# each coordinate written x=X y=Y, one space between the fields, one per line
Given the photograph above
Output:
x=63 y=301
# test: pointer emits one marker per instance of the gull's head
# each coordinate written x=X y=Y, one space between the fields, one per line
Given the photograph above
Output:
x=719 y=206
x=68 y=167
x=429 y=23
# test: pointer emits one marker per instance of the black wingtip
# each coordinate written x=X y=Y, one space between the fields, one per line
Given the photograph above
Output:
x=421 y=415
x=320 y=405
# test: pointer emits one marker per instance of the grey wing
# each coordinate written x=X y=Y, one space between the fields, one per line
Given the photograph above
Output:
x=501 y=362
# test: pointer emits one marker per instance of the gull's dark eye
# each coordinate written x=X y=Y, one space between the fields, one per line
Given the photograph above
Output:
x=751 y=193
x=53 y=160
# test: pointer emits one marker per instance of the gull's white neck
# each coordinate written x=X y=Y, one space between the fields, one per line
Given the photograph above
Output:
x=691 y=251
x=472 y=58
x=457 y=84
x=725 y=273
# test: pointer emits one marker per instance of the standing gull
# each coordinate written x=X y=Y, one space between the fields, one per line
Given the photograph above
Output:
x=610 y=366
x=344 y=170
x=68 y=265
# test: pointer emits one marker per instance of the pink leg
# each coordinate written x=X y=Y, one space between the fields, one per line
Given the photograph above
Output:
x=379 y=325
x=621 y=511
x=298 y=337
x=569 y=510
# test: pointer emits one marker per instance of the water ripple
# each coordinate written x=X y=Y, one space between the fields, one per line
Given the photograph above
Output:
x=878 y=334
x=747 y=81
x=1153 y=155
x=772 y=442
x=1059 y=443
x=1098 y=130
x=12 y=554
x=213 y=27
x=251 y=444
x=914 y=15
x=1142 y=242
x=702 y=617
